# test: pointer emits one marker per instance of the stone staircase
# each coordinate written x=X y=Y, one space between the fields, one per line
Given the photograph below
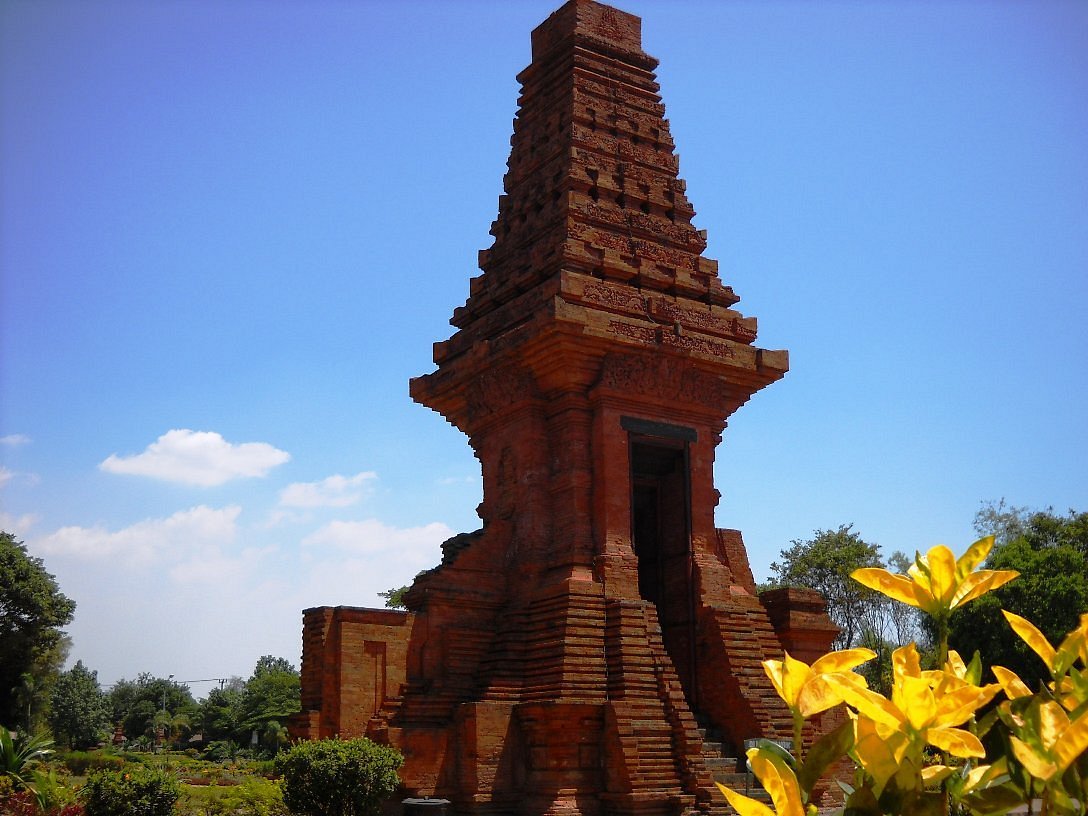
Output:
x=726 y=767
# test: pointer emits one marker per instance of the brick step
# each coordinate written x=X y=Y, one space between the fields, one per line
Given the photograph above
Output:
x=723 y=766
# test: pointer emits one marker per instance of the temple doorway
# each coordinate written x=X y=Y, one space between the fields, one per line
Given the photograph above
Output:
x=661 y=533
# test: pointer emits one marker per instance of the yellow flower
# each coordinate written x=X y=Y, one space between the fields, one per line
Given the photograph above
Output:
x=778 y=779
x=938 y=582
x=1011 y=683
x=1051 y=741
x=1058 y=661
x=915 y=711
x=1070 y=685
x=804 y=688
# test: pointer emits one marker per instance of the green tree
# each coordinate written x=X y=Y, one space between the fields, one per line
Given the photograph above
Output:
x=270 y=697
x=1041 y=528
x=824 y=563
x=394 y=598
x=1050 y=554
x=32 y=612
x=338 y=777
x=221 y=712
x=135 y=703
x=1003 y=521
x=80 y=713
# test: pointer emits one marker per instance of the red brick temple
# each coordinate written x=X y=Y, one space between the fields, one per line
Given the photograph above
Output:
x=595 y=647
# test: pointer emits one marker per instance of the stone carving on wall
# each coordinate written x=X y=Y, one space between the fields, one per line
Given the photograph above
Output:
x=494 y=390
x=663 y=378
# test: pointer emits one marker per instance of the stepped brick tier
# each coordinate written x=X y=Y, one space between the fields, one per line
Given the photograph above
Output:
x=595 y=647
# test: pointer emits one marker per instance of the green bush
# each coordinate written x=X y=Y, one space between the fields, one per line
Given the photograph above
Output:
x=254 y=797
x=337 y=777
x=80 y=763
x=264 y=767
x=135 y=791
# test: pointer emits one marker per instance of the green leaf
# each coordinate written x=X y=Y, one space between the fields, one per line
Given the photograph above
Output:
x=829 y=748
x=772 y=747
x=974 y=670
x=862 y=802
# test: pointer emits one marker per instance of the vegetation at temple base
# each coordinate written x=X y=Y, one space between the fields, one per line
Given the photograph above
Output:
x=942 y=740
x=338 y=777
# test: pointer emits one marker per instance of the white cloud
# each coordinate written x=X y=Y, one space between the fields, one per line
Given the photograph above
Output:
x=202 y=458
x=213 y=567
x=350 y=562
x=182 y=533
x=17 y=525
x=18 y=477
x=372 y=536
x=14 y=440
x=335 y=491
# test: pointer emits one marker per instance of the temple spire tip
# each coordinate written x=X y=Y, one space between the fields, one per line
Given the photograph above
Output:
x=589 y=20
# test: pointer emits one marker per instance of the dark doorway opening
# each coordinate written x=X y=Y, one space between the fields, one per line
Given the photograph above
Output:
x=661 y=524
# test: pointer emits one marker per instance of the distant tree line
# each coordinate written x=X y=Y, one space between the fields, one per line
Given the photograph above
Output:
x=152 y=711
x=37 y=696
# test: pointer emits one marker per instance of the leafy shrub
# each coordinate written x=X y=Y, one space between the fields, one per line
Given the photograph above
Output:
x=27 y=803
x=338 y=777
x=253 y=797
x=265 y=768
x=18 y=757
x=53 y=794
x=135 y=791
x=221 y=750
x=81 y=763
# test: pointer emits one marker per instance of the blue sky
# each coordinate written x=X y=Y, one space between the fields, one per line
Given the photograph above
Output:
x=231 y=231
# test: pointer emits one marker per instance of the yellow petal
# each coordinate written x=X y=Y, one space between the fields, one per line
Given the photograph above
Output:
x=774 y=669
x=867 y=702
x=877 y=751
x=817 y=696
x=981 y=582
x=795 y=674
x=956 y=665
x=1031 y=636
x=914 y=697
x=1012 y=685
x=742 y=804
x=779 y=781
x=956 y=741
x=974 y=556
x=1083 y=627
x=1073 y=743
x=895 y=587
x=842 y=661
x=906 y=662
x=942 y=574
x=1069 y=650
x=978 y=776
x=1035 y=764
x=932 y=774
x=958 y=706
x=1053 y=722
